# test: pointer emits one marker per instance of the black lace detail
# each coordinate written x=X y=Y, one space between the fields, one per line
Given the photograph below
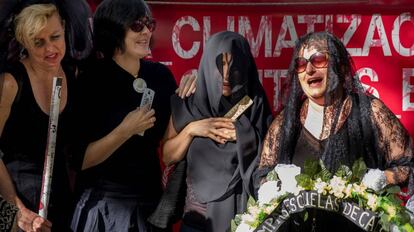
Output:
x=7 y=215
x=355 y=124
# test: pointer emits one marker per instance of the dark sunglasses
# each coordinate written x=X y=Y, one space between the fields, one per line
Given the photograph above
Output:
x=138 y=25
x=317 y=60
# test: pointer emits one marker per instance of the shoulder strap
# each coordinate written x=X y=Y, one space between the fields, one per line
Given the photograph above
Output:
x=18 y=73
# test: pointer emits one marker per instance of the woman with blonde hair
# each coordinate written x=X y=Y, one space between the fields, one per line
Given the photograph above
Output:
x=37 y=43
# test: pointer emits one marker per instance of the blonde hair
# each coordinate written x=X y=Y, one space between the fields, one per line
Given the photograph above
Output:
x=31 y=20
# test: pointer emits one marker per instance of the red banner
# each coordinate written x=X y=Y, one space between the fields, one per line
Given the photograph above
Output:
x=382 y=44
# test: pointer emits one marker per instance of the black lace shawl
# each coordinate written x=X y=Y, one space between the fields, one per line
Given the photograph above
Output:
x=373 y=131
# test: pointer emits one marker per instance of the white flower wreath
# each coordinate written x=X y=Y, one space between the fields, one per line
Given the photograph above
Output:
x=366 y=190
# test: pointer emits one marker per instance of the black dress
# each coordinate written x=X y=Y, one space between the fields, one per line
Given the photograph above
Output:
x=219 y=175
x=309 y=147
x=24 y=141
x=121 y=192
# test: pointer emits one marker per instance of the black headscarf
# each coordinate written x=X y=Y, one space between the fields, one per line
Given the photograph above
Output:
x=215 y=170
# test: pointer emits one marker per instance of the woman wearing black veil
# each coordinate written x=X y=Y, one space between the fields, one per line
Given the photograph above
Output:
x=327 y=115
x=39 y=39
x=220 y=153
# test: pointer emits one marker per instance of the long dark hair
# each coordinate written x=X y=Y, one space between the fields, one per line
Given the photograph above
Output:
x=359 y=138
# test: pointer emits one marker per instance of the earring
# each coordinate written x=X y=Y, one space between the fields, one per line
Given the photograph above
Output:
x=23 y=53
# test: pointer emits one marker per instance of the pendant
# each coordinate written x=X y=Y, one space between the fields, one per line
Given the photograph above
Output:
x=139 y=85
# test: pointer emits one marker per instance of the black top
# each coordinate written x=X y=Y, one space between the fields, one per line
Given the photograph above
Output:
x=24 y=141
x=25 y=133
x=105 y=97
x=307 y=148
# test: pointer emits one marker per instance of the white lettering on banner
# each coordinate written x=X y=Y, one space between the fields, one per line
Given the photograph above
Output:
x=285 y=40
x=329 y=23
x=265 y=29
x=354 y=22
x=310 y=20
x=287 y=25
x=277 y=75
x=370 y=225
x=373 y=76
x=206 y=29
x=376 y=25
x=408 y=89
x=230 y=23
x=404 y=17
x=185 y=20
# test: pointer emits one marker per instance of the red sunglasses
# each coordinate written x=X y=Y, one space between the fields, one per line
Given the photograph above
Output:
x=138 y=25
x=317 y=60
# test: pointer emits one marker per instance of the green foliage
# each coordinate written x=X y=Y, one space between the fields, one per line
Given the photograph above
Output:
x=272 y=176
x=306 y=216
x=305 y=181
x=385 y=222
x=311 y=167
x=393 y=189
x=324 y=174
x=251 y=202
x=233 y=226
x=359 y=168
x=344 y=172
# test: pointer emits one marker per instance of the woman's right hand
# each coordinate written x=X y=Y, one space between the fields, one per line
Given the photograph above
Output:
x=212 y=128
x=138 y=121
x=32 y=222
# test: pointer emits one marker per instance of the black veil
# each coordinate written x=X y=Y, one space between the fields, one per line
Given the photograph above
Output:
x=219 y=171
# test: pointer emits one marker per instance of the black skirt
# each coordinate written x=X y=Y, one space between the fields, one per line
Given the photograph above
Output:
x=120 y=211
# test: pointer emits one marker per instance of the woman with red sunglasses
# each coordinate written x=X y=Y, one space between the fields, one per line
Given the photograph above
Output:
x=328 y=116
x=116 y=148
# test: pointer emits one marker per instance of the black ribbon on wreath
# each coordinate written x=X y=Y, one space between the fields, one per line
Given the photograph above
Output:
x=363 y=218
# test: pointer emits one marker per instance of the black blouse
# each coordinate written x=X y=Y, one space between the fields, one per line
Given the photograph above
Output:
x=105 y=97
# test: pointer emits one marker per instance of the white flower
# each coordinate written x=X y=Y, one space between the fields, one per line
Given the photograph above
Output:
x=348 y=191
x=243 y=227
x=372 y=201
x=374 y=179
x=267 y=192
x=269 y=209
x=254 y=211
x=287 y=174
x=391 y=211
x=247 y=218
x=338 y=186
x=359 y=189
x=320 y=186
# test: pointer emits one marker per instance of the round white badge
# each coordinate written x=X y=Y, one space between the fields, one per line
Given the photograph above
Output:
x=139 y=85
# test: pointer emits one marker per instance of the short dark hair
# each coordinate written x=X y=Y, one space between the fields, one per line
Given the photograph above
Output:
x=111 y=21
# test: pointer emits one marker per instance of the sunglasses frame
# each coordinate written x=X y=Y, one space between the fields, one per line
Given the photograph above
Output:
x=310 y=61
x=150 y=23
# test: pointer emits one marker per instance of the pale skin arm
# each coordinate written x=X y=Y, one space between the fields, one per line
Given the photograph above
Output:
x=134 y=123
x=26 y=219
x=187 y=86
x=176 y=144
